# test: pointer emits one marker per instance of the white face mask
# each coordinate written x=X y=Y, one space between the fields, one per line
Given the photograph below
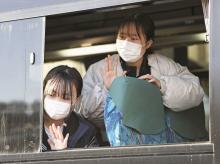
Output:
x=129 y=51
x=56 y=109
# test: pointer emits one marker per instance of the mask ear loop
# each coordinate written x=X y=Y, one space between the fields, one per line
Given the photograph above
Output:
x=149 y=44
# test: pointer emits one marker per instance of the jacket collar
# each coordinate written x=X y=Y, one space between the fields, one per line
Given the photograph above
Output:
x=131 y=71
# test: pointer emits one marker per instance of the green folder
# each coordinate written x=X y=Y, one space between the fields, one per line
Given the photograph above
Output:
x=190 y=123
x=140 y=103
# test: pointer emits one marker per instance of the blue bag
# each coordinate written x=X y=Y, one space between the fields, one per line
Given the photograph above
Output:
x=121 y=135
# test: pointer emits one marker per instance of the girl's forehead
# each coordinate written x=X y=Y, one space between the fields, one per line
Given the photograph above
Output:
x=60 y=88
x=129 y=29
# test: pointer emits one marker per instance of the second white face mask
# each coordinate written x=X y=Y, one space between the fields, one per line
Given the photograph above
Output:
x=129 y=51
x=56 y=109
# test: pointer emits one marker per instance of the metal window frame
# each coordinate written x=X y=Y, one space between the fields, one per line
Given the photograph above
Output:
x=198 y=152
x=68 y=7
x=208 y=152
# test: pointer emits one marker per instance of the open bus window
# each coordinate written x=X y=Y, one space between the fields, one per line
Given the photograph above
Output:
x=81 y=39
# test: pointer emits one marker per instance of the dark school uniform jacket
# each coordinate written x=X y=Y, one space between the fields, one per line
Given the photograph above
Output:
x=81 y=133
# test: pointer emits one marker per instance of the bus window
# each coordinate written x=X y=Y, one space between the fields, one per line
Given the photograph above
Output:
x=81 y=39
x=20 y=89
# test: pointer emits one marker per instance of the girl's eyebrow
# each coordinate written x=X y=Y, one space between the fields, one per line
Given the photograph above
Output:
x=134 y=35
x=122 y=33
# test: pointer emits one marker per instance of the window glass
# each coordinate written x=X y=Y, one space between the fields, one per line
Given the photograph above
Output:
x=20 y=96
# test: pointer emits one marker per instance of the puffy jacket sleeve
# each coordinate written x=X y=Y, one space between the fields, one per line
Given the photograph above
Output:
x=93 y=93
x=181 y=89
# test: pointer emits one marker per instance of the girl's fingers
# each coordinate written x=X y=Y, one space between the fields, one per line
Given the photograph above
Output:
x=110 y=63
x=51 y=132
x=55 y=131
x=59 y=133
x=51 y=143
x=146 y=77
x=124 y=73
x=151 y=80
x=116 y=66
x=142 y=77
x=155 y=82
x=106 y=65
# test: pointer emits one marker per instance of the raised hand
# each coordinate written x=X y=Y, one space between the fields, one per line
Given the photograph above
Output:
x=109 y=73
x=57 y=141
x=151 y=79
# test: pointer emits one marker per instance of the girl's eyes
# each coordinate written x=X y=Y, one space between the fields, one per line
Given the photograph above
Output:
x=50 y=95
x=134 y=39
x=123 y=37
x=66 y=97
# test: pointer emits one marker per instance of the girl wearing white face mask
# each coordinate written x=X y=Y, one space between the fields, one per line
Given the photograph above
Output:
x=63 y=128
x=180 y=89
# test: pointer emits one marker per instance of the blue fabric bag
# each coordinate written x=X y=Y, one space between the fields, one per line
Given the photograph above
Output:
x=121 y=135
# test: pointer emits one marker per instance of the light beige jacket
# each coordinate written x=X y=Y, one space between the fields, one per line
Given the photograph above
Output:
x=180 y=89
